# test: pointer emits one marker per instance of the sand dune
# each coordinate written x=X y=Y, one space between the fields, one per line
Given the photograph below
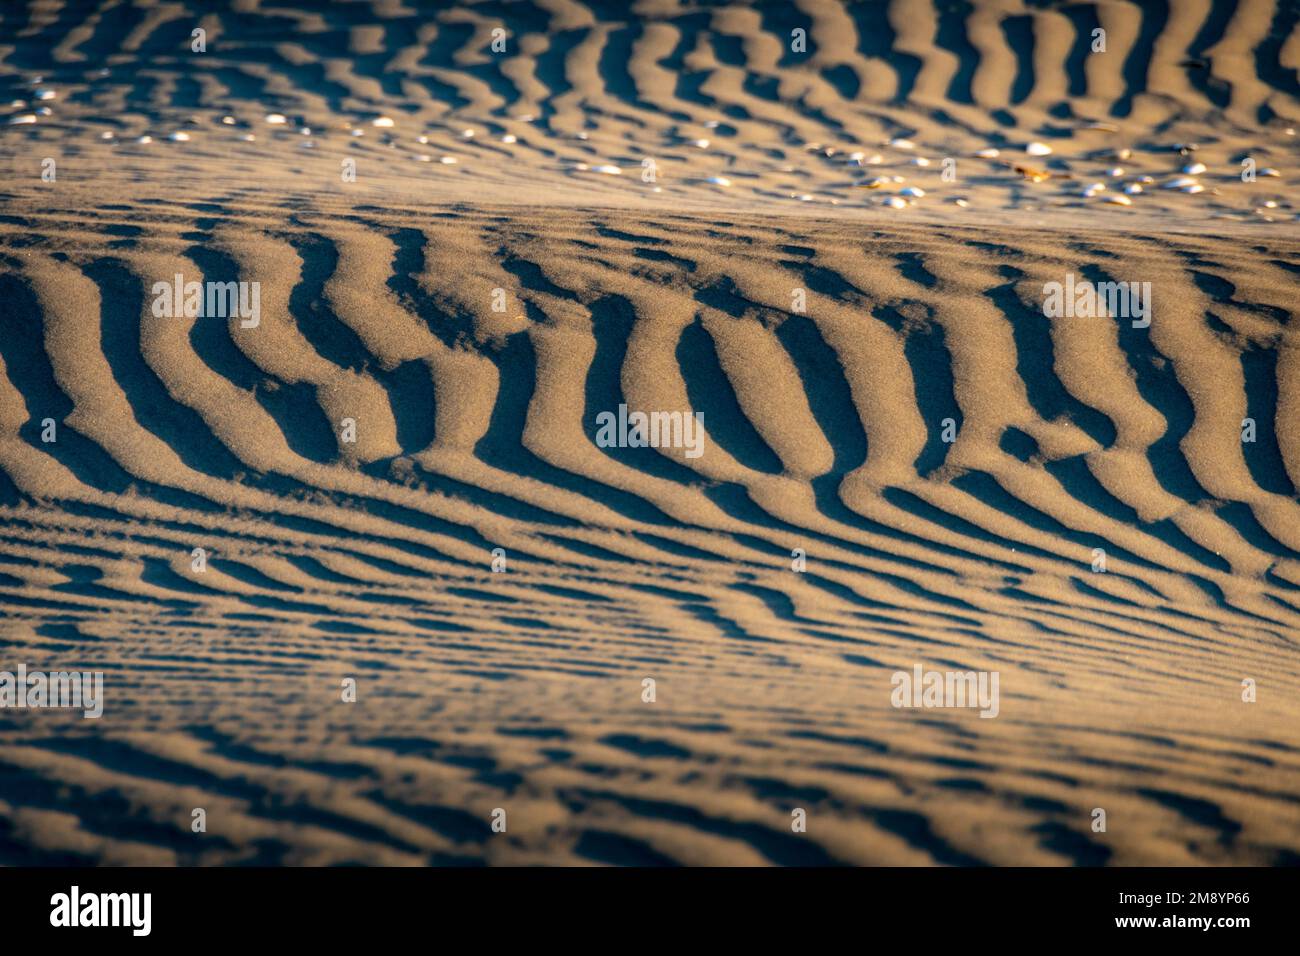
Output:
x=473 y=319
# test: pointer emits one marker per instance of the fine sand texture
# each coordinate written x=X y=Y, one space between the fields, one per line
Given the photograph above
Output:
x=827 y=229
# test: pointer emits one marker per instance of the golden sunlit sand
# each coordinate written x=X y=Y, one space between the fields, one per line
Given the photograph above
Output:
x=471 y=255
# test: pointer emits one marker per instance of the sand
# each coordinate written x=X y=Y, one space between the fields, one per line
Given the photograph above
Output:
x=470 y=255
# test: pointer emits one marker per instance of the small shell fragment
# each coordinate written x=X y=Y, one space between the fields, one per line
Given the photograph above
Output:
x=1032 y=174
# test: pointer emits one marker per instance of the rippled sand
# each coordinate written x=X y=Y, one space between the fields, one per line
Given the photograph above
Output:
x=475 y=430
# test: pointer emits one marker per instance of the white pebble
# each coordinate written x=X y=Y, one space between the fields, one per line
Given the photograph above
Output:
x=989 y=153
x=894 y=202
x=509 y=138
x=1117 y=200
x=1133 y=189
x=899 y=143
x=179 y=137
x=1194 y=169
x=1269 y=171
x=1182 y=182
x=719 y=180
x=701 y=144
x=448 y=160
x=384 y=122
x=608 y=170
x=24 y=119
x=276 y=119
x=914 y=192
x=1038 y=149
x=45 y=94
x=1093 y=189
x=920 y=161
